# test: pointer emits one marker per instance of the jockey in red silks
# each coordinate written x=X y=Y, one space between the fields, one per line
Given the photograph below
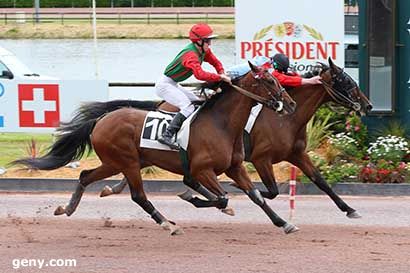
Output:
x=186 y=63
x=280 y=63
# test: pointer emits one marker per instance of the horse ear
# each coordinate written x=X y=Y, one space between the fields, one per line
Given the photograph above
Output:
x=253 y=67
x=332 y=65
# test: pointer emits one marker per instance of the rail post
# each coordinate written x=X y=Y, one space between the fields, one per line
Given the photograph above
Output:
x=292 y=191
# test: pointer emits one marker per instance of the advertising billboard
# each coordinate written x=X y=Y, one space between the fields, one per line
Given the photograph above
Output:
x=306 y=31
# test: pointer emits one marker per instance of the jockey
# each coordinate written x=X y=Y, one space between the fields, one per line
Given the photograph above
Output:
x=186 y=63
x=280 y=63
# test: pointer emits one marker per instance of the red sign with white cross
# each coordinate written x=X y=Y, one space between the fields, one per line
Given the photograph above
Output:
x=39 y=105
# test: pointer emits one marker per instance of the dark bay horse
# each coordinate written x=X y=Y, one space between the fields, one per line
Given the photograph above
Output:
x=215 y=146
x=275 y=138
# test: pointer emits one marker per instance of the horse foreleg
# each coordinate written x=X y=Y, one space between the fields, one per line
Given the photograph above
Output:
x=116 y=189
x=304 y=163
x=210 y=187
x=213 y=200
x=264 y=168
x=138 y=196
x=86 y=178
x=239 y=175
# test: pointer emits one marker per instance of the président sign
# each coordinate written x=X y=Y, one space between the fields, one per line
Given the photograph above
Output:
x=307 y=31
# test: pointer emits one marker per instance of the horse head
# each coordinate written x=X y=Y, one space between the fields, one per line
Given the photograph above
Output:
x=343 y=89
x=263 y=84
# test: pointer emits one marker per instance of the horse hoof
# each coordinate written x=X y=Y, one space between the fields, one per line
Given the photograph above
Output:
x=233 y=184
x=187 y=195
x=59 y=211
x=353 y=215
x=228 y=211
x=106 y=191
x=174 y=229
x=290 y=228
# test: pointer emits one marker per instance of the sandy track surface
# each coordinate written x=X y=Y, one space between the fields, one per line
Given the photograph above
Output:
x=114 y=235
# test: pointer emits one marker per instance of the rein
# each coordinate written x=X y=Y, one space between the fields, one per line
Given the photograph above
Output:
x=340 y=98
x=262 y=100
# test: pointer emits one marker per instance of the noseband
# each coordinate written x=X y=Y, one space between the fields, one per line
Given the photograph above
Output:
x=272 y=103
x=337 y=95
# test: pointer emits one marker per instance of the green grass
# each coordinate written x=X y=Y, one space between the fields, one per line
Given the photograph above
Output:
x=14 y=145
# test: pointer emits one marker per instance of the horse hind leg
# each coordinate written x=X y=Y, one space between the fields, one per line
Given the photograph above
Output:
x=138 y=196
x=116 y=189
x=86 y=178
x=265 y=171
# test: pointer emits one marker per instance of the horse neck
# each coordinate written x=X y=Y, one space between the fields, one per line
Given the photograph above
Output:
x=232 y=110
x=308 y=99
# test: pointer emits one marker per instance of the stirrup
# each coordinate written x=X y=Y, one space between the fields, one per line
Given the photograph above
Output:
x=171 y=145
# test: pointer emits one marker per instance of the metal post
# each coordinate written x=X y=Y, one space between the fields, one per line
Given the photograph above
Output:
x=94 y=21
x=148 y=18
x=62 y=18
x=177 y=18
x=37 y=10
x=5 y=18
x=132 y=3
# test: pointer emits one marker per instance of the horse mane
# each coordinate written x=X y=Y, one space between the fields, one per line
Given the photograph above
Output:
x=209 y=103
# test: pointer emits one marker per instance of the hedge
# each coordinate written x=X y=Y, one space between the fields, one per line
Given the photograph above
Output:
x=115 y=3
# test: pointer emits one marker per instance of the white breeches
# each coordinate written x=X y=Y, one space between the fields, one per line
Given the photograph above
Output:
x=172 y=92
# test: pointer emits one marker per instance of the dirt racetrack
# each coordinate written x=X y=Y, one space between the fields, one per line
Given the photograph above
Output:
x=136 y=244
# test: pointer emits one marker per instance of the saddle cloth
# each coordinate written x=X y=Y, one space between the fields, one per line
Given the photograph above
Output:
x=155 y=124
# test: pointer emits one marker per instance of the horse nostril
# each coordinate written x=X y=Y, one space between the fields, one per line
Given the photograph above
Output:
x=369 y=107
x=293 y=104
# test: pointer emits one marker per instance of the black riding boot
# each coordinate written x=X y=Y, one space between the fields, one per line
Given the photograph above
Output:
x=167 y=137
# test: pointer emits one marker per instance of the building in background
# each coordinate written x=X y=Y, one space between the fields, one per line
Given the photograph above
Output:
x=384 y=61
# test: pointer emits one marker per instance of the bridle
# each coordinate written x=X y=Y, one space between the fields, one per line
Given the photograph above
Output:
x=273 y=102
x=336 y=89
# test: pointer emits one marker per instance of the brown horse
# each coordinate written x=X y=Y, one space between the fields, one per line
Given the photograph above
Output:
x=275 y=138
x=115 y=139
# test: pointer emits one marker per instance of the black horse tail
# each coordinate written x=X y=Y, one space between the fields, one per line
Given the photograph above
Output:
x=72 y=141
x=95 y=110
x=73 y=138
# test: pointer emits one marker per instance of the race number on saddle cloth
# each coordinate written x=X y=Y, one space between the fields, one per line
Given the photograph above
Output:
x=155 y=124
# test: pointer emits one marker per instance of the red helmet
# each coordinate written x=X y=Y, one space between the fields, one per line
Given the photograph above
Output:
x=201 y=31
